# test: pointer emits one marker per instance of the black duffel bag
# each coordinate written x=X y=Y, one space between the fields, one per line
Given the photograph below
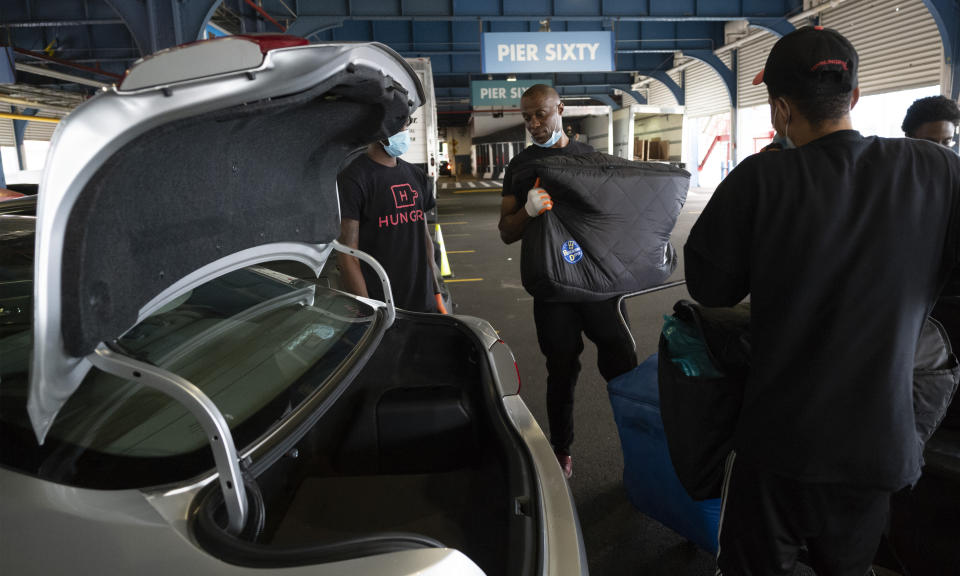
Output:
x=700 y=404
x=700 y=407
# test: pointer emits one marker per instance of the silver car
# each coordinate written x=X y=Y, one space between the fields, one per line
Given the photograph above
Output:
x=170 y=403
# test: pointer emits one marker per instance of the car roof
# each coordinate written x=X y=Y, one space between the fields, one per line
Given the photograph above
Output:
x=148 y=191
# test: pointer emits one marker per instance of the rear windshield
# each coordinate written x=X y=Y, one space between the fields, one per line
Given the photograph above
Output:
x=257 y=342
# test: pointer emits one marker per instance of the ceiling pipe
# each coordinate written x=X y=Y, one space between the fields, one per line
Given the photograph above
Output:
x=30 y=104
x=40 y=71
x=59 y=23
x=748 y=38
x=68 y=63
x=29 y=118
x=268 y=17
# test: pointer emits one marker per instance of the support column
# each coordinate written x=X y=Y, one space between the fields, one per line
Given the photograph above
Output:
x=734 y=112
x=946 y=13
x=159 y=24
x=19 y=130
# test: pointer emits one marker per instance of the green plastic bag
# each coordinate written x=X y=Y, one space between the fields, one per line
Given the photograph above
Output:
x=687 y=349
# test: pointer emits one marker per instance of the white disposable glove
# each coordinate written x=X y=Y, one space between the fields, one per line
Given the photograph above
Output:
x=538 y=201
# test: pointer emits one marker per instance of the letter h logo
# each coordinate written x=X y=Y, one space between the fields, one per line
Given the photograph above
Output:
x=404 y=196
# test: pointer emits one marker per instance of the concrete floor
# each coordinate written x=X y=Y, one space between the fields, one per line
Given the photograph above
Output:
x=486 y=283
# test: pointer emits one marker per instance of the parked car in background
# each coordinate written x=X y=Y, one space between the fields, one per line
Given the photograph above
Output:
x=170 y=403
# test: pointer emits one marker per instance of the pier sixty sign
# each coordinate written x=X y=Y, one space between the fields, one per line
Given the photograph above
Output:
x=511 y=52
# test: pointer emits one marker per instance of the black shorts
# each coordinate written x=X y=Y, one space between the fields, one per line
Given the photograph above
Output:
x=766 y=519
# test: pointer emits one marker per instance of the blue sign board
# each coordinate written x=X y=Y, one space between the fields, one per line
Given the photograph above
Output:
x=505 y=93
x=512 y=52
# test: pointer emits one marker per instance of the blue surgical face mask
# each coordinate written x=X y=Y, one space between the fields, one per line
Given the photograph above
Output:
x=783 y=139
x=783 y=142
x=397 y=144
x=553 y=139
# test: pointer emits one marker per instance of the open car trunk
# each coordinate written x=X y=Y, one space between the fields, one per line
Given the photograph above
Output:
x=415 y=453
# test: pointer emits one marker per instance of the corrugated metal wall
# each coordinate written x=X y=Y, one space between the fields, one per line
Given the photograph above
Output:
x=660 y=95
x=750 y=59
x=897 y=40
x=6 y=129
x=34 y=131
x=706 y=94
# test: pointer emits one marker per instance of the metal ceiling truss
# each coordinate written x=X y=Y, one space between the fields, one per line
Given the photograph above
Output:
x=108 y=35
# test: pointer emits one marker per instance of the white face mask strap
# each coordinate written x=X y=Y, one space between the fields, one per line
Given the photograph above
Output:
x=786 y=125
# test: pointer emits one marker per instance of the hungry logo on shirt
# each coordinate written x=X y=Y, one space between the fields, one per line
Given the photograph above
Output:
x=404 y=198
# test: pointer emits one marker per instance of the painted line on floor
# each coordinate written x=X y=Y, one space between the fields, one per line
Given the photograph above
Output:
x=472 y=190
x=449 y=280
x=460 y=251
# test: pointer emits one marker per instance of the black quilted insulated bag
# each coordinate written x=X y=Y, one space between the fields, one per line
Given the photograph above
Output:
x=609 y=230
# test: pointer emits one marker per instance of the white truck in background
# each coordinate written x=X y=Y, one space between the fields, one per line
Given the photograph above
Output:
x=424 y=151
x=424 y=148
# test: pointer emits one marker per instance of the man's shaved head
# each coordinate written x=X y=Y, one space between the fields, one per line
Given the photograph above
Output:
x=541 y=110
x=541 y=92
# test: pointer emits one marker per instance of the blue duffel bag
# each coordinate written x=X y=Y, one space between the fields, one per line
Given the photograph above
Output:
x=648 y=475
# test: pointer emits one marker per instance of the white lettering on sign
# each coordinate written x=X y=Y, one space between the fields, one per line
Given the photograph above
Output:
x=493 y=93
x=518 y=52
x=563 y=51
x=555 y=52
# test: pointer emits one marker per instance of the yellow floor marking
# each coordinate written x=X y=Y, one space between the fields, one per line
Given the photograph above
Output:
x=449 y=280
x=460 y=251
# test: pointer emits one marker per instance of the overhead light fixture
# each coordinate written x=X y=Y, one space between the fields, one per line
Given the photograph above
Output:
x=512 y=78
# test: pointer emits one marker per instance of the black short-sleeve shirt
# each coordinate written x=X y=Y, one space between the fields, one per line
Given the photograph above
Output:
x=843 y=245
x=390 y=203
x=533 y=152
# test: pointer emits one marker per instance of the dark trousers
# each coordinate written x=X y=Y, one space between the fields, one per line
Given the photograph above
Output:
x=767 y=518
x=560 y=329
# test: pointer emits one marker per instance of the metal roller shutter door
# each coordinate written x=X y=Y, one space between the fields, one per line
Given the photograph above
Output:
x=706 y=94
x=660 y=95
x=34 y=131
x=40 y=130
x=750 y=59
x=897 y=40
x=6 y=128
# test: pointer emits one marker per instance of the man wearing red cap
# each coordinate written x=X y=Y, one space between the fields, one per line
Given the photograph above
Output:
x=842 y=243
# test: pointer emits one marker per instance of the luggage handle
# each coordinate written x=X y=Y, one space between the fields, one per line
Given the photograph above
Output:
x=652 y=289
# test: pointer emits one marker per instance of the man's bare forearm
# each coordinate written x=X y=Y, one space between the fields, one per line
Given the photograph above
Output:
x=513 y=220
x=351 y=276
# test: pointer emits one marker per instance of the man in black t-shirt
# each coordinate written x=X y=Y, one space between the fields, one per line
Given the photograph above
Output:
x=560 y=325
x=383 y=203
x=843 y=244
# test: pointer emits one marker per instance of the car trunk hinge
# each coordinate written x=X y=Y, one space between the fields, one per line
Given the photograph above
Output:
x=381 y=274
x=203 y=409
